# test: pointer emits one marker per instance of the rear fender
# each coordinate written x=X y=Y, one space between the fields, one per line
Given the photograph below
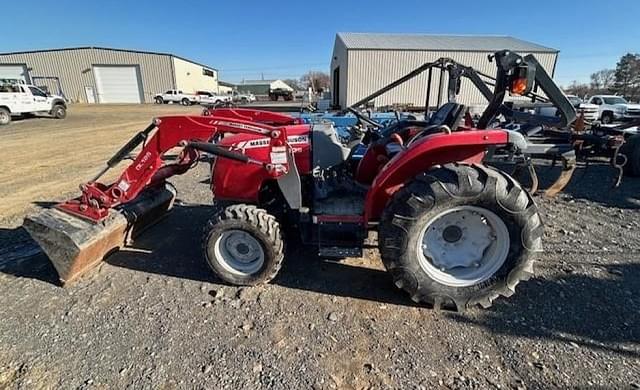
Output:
x=463 y=146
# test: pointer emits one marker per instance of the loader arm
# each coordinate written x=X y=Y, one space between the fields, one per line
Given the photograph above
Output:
x=148 y=168
x=76 y=235
x=260 y=116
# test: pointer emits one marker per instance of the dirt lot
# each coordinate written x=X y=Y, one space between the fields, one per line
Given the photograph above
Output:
x=44 y=158
x=154 y=316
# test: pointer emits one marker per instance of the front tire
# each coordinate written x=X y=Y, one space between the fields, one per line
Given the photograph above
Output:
x=460 y=235
x=243 y=245
x=607 y=118
x=185 y=102
x=159 y=100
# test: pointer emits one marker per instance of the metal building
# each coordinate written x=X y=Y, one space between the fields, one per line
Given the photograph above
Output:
x=363 y=63
x=105 y=75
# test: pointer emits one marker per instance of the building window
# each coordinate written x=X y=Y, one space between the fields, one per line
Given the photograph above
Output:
x=208 y=72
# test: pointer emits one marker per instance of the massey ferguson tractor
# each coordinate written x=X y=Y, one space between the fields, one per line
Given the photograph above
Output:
x=452 y=232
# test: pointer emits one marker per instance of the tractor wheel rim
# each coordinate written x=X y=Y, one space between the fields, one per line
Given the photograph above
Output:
x=239 y=252
x=463 y=246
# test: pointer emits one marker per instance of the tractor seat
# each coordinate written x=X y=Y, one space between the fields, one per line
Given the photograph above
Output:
x=450 y=115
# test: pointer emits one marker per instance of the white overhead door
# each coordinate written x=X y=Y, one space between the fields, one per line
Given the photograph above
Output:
x=14 y=72
x=117 y=84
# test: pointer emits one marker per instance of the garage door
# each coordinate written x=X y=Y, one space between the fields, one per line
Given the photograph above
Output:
x=117 y=84
x=14 y=72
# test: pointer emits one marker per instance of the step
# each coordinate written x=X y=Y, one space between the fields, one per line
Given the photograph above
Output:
x=340 y=251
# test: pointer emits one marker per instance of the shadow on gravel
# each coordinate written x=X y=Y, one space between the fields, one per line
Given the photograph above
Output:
x=594 y=184
x=580 y=310
x=303 y=270
x=20 y=256
x=173 y=248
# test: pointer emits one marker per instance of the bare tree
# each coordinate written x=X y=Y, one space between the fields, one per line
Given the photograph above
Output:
x=580 y=90
x=603 y=80
x=293 y=83
x=318 y=81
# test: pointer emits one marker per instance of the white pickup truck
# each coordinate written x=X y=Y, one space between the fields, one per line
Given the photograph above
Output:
x=590 y=111
x=243 y=98
x=209 y=98
x=176 y=96
x=615 y=108
x=24 y=99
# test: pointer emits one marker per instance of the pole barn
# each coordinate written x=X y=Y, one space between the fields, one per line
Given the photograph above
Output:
x=363 y=63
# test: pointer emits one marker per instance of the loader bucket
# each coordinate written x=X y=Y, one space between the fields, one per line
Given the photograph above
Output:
x=75 y=245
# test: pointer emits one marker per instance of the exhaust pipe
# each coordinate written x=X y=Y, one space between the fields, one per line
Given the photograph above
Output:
x=75 y=245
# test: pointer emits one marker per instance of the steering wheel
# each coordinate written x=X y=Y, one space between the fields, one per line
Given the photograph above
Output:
x=362 y=118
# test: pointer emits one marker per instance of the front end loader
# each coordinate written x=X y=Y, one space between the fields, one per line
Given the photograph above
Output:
x=453 y=233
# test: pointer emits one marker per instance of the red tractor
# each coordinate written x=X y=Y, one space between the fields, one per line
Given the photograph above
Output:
x=452 y=232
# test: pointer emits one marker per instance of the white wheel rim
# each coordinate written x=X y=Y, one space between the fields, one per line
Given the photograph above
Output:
x=239 y=252
x=463 y=246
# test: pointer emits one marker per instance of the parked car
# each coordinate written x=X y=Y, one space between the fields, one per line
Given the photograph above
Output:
x=176 y=96
x=210 y=98
x=24 y=99
x=243 y=97
x=300 y=94
x=615 y=108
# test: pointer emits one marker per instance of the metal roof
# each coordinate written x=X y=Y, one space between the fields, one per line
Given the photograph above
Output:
x=487 y=43
x=258 y=82
x=106 y=48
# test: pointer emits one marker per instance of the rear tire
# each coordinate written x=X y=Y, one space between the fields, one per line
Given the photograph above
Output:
x=243 y=245
x=5 y=116
x=185 y=102
x=499 y=213
x=631 y=149
x=59 y=111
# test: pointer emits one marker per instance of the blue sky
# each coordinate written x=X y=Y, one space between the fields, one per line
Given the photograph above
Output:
x=245 y=39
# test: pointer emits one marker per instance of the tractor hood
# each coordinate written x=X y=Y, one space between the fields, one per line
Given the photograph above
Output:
x=295 y=134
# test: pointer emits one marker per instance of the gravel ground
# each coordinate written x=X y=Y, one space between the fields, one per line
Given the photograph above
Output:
x=154 y=316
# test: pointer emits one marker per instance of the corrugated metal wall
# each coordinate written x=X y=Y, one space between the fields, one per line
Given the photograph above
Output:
x=74 y=68
x=370 y=70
